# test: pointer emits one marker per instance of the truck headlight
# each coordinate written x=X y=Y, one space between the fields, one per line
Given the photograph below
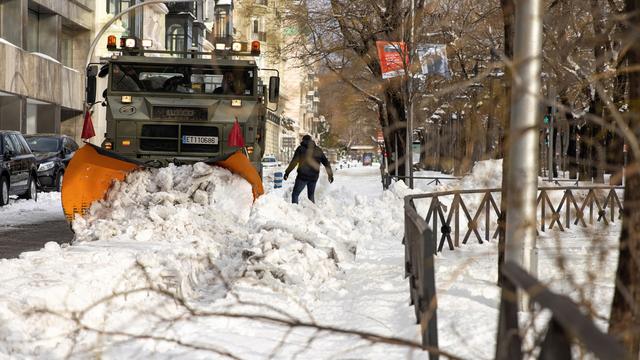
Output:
x=46 y=166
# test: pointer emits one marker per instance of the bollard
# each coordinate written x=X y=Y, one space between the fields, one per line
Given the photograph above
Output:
x=277 y=179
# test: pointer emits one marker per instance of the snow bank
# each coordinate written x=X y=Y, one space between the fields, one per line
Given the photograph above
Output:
x=193 y=231
x=20 y=212
x=181 y=229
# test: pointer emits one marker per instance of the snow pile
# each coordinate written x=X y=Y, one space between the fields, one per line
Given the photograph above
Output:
x=189 y=230
x=175 y=204
x=486 y=174
x=194 y=232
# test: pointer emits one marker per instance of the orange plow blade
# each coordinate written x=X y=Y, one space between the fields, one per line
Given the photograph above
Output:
x=240 y=165
x=93 y=170
x=89 y=176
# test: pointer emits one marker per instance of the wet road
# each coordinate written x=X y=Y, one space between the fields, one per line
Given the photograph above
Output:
x=20 y=238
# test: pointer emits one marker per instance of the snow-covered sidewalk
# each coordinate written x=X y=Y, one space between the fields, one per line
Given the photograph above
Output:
x=194 y=233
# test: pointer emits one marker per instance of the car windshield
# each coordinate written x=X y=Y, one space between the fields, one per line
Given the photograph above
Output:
x=269 y=160
x=182 y=79
x=43 y=144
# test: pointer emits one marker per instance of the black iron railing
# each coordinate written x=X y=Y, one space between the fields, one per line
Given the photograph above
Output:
x=437 y=180
x=420 y=250
x=567 y=325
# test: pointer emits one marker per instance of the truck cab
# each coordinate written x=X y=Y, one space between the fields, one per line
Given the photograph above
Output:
x=163 y=109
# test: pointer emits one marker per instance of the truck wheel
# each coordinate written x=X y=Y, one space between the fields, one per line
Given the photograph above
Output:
x=32 y=192
x=4 y=191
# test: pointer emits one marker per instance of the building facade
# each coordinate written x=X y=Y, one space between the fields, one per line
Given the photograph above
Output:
x=297 y=111
x=172 y=26
x=43 y=44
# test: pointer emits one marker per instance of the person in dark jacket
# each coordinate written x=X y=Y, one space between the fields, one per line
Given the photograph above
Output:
x=308 y=158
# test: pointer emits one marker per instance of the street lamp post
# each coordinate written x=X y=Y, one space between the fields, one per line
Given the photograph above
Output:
x=522 y=177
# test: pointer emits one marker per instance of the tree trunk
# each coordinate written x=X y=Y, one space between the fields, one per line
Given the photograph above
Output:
x=597 y=145
x=396 y=124
x=624 y=321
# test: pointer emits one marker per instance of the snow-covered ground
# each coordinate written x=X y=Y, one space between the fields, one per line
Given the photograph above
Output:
x=22 y=212
x=179 y=263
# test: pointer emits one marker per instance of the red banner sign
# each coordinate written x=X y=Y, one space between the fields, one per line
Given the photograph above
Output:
x=390 y=54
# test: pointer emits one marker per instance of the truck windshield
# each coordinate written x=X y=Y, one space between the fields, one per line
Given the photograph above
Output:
x=182 y=79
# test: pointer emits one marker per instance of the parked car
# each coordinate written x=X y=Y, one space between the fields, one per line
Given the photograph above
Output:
x=53 y=153
x=18 y=174
x=270 y=161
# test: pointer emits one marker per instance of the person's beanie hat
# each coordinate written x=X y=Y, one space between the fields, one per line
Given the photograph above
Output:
x=306 y=138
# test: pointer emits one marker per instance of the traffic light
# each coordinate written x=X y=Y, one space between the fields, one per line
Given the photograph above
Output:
x=548 y=114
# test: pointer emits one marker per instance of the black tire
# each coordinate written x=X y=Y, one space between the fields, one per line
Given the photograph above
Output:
x=58 y=182
x=4 y=191
x=32 y=190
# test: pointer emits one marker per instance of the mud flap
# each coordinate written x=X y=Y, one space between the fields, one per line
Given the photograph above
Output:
x=239 y=164
x=93 y=170
x=89 y=176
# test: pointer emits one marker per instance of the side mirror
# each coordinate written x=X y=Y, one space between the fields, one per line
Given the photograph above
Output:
x=104 y=71
x=92 y=72
x=8 y=154
x=274 y=89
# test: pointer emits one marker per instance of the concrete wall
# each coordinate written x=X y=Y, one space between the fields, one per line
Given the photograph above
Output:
x=77 y=11
x=36 y=77
x=13 y=14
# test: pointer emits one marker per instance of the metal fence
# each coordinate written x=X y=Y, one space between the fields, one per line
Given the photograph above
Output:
x=437 y=180
x=567 y=324
x=419 y=245
x=422 y=243
x=447 y=208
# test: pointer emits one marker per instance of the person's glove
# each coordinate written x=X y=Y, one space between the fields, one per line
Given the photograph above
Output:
x=286 y=175
x=330 y=178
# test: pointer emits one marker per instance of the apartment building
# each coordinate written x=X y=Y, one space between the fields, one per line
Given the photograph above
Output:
x=171 y=26
x=43 y=45
x=297 y=113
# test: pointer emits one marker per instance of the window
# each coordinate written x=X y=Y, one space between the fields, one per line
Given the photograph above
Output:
x=221 y=23
x=43 y=144
x=8 y=145
x=182 y=79
x=116 y=7
x=175 y=38
x=257 y=30
x=21 y=147
x=69 y=143
x=66 y=49
x=33 y=29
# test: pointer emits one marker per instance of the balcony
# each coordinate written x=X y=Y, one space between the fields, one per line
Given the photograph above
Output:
x=180 y=7
x=260 y=36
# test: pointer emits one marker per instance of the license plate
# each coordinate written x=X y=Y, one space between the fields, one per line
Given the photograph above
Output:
x=200 y=140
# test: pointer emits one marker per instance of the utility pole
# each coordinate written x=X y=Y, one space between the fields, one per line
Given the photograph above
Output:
x=522 y=177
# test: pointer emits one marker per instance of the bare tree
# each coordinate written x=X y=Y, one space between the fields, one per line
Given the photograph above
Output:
x=625 y=310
